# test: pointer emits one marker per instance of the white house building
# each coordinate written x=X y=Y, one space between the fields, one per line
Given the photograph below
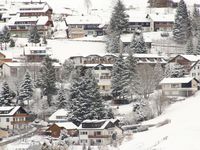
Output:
x=98 y=132
x=59 y=116
x=13 y=117
x=179 y=86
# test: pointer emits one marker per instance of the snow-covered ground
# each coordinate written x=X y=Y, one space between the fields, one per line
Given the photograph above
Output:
x=183 y=133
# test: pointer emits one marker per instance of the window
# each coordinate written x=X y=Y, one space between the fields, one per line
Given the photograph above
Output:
x=98 y=140
x=174 y=85
x=83 y=141
x=97 y=133
x=193 y=74
x=83 y=133
x=7 y=119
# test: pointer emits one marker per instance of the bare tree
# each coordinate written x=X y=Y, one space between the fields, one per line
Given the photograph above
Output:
x=146 y=80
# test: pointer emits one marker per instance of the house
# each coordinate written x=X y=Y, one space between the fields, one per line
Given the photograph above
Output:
x=5 y=56
x=3 y=10
x=20 y=25
x=58 y=116
x=102 y=73
x=187 y=61
x=81 y=26
x=194 y=70
x=98 y=132
x=14 y=118
x=36 y=54
x=125 y=40
x=18 y=69
x=65 y=128
x=138 y=20
x=93 y=59
x=179 y=86
x=162 y=3
x=161 y=22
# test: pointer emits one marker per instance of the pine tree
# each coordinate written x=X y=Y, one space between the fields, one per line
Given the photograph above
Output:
x=67 y=69
x=112 y=43
x=158 y=74
x=197 y=52
x=1 y=40
x=97 y=110
x=195 y=20
x=177 y=71
x=120 y=76
x=182 y=25
x=133 y=76
x=141 y=110
x=190 y=47
x=44 y=40
x=6 y=95
x=79 y=109
x=12 y=43
x=33 y=36
x=61 y=100
x=119 y=19
x=26 y=88
x=137 y=44
x=48 y=78
x=6 y=33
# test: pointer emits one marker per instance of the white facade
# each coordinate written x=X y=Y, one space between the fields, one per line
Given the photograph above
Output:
x=195 y=71
x=99 y=136
x=12 y=118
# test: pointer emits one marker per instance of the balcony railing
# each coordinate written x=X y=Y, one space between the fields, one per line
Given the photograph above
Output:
x=99 y=136
x=19 y=122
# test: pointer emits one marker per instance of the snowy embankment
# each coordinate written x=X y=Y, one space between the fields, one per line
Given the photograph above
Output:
x=183 y=133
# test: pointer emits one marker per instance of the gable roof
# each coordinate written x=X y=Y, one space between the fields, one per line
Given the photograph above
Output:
x=177 y=80
x=67 y=125
x=59 y=112
x=192 y=58
x=9 y=110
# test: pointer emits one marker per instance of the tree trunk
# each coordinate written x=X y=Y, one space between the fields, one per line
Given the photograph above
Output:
x=49 y=98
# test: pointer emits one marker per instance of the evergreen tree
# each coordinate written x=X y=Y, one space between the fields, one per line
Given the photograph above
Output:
x=97 y=109
x=112 y=43
x=167 y=72
x=195 y=20
x=79 y=108
x=141 y=111
x=197 y=52
x=133 y=76
x=67 y=68
x=6 y=95
x=12 y=43
x=33 y=36
x=158 y=74
x=44 y=40
x=120 y=76
x=1 y=40
x=48 y=78
x=26 y=88
x=137 y=44
x=85 y=100
x=177 y=71
x=61 y=100
x=182 y=25
x=119 y=19
x=6 y=33
x=190 y=47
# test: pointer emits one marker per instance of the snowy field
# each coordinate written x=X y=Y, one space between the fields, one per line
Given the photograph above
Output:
x=62 y=49
x=183 y=133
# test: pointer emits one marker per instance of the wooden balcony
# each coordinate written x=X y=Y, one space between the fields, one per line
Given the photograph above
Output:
x=19 y=122
x=99 y=136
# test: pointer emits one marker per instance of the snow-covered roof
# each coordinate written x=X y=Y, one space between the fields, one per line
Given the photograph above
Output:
x=23 y=64
x=42 y=20
x=7 y=54
x=162 y=17
x=17 y=20
x=94 y=65
x=8 y=110
x=34 y=7
x=83 y=20
x=103 y=124
x=59 y=112
x=40 y=50
x=176 y=80
x=67 y=125
x=137 y=16
x=127 y=38
x=192 y=58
